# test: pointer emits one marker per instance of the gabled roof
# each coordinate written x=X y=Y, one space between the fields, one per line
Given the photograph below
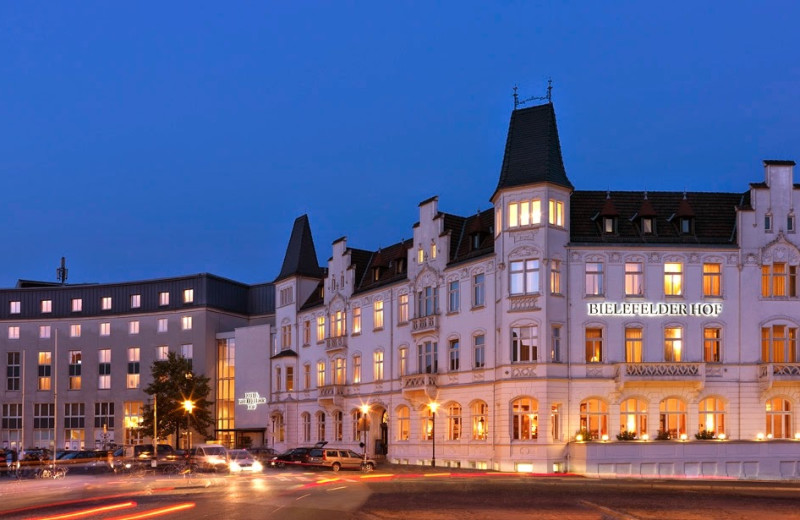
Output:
x=533 y=150
x=301 y=256
x=714 y=217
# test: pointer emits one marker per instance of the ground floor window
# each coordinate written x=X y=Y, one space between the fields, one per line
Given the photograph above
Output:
x=403 y=423
x=594 y=418
x=779 y=418
x=524 y=419
x=633 y=418
x=480 y=421
x=672 y=418
x=712 y=417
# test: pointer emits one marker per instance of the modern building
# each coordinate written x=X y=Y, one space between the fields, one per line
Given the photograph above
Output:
x=600 y=332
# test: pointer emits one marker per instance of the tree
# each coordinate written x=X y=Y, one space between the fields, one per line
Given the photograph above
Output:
x=173 y=384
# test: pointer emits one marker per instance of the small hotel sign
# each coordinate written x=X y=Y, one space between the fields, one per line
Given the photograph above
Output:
x=654 y=309
x=252 y=399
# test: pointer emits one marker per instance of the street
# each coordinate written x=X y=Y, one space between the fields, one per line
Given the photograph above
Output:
x=393 y=492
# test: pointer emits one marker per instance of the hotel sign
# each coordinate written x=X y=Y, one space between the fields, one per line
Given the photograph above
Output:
x=252 y=400
x=654 y=309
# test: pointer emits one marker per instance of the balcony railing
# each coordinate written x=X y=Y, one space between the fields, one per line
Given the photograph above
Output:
x=419 y=386
x=521 y=303
x=771 y=373
x=424 y=324
x=331 y=395
x=335 y=343
x=643 y=373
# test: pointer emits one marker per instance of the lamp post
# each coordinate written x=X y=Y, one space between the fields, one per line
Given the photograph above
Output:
x=433 y=406
x=364 y=412
x=154 y=463
x=188 y=406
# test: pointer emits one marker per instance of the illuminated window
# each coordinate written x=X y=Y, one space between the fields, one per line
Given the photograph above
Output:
x=306 y=332
x=74 y=424
x=712 y=416
x=339 y=371
x=594 y=418
x=609 y=225
x=498 y=221
x=779 y=344
x=524 y=277
x=454 y=422
x=779 y=418
x=356 y=369
x=47 y=306
x=163 y=298
x=75 y=331
x=712 y=285
x=45 y=370
x=162 y=353
x=634 y=279
x=77 y=304
x=402 y=309
x=104 y=369
x=338 y=324
x=378 y=314
x=320 y=374
x=633 y=345
x=779 y=280
x=433 y=249
x=480 y=421
x=356 y=320
x=594 y=278
x=132 y=418
x=136 y=301
x=525 y=344
x=44 y=331
x=633 y=417
x=163 y=325
x=453 y=296
x=186 y=323
x=556 y=213
x=479 y=350
x=427 y=357
x=403 y=423
x=712 y=344
x=133 y=327
x=188 y=295
x=427 y=301
x=672 y=417
x=403 y=364
x=524 y=419
x=647 y=225
x=525 y=213
x=478 y=290
x=320 y=328
x=378 y=357
x=14 y=307
x=133 y=367
x=286 y=337
x=555 y=277
x=673 y=344
x=74 y=369
x=673 y=279
x=594 y=345
x=105 y=303
x=420 y=255
x=454 y=355
x=13 y=332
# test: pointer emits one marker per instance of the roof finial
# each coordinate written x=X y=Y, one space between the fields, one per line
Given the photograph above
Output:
x=548 y=97
x=645 y=194
x=684 y=193
x=608 y=194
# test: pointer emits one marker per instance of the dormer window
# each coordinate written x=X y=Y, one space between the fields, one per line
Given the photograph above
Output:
x=609 y=225
x=400 y=265
x=476 y=241
x=376 y=274
x=768 y=222
x=686 y=225
x=647 y=225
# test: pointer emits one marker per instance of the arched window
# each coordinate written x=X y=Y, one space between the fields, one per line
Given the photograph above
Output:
x=320 y=426
x=305 y=420
x=277 y=427
x=355 y=417
x=338 y=419
x=454 y=422
x=524 y=419
x=779 y=418
x=633 y=417
x=672 y=418
x=403 y=423
x=594 y=418
x=712 y=416
x=480 y=421
x=779 y=344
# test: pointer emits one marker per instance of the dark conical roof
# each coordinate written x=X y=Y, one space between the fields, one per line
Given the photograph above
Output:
x=533 y=150
x=301 y=256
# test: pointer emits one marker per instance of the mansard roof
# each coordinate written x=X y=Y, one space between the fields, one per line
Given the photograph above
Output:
x=533 y=150
x=301 y=256
x=714 y=216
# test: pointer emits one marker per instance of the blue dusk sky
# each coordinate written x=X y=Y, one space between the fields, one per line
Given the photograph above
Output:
x=156 y=139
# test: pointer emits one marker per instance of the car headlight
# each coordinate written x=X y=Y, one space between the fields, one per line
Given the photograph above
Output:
x=257 y=466
x=235 y=466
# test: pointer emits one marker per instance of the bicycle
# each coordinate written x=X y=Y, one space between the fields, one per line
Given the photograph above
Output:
x=51 y=472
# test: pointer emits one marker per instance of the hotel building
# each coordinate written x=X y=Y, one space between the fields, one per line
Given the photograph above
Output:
x=599 y=332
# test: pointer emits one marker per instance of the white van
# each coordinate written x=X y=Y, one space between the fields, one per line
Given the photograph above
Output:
x=209 y=457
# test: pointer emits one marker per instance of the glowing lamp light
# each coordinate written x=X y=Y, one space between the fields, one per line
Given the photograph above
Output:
x=188 y=405
x=797 y=436
x=605 y=438
x=722 y=436
x=769 y=436
x=645 y=437
x=760 y=437
x=579 y=438
x=684 y=437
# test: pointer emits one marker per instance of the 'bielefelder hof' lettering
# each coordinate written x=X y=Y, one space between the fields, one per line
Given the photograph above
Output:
x=654 y=309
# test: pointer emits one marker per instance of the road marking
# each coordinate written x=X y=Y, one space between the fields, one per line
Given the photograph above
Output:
x=610 y=513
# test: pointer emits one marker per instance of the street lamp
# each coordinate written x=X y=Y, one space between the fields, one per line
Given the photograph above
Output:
x=365 y=428
x=188 y=406
x=433 y=406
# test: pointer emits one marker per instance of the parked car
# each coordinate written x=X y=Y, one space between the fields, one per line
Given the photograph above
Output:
x=294 y=456
x=135 y=455
x=241 y=461
x=263 y=455
x=209 y=457
x=86 y=461
x=339 y=458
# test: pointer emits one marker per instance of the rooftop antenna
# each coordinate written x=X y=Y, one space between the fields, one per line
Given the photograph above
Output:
x=548 y=97
x=61 y=272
